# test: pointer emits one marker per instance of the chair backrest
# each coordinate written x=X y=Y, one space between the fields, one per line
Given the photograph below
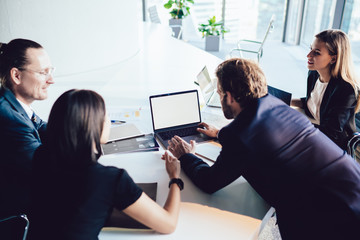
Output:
x=353 y=147
x=357 y=121
x=14 y=227
x=268 y=30
x=153 y=14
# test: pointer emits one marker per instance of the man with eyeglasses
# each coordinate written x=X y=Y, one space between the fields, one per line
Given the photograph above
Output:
x=25 y=74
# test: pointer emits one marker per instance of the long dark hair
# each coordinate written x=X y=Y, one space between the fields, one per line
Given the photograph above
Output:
x=13 y=55
x=74 y=128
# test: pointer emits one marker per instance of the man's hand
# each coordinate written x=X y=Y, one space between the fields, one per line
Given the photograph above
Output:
x=178 y=147
x=209 y=130
x=172 y=165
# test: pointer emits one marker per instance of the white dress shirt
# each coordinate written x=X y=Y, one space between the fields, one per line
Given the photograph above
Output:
x=27 y=109
x=315 y=100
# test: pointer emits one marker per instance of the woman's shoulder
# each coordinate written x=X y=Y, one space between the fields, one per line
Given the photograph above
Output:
x=343 y=86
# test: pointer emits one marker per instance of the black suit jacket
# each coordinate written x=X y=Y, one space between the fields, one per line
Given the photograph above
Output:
x=337 y=109
x=312 y=183
x=20 y=137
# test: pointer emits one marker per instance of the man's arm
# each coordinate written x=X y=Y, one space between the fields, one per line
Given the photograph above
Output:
x=209 y=179
x=225 y=170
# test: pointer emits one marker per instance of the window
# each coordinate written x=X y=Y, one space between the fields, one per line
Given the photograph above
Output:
x=319 y=15
x=351 y=25
x=245 y=19
x=294 y=21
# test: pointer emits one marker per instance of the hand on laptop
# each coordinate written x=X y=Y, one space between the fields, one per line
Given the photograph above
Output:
x=208 y=130
x=178 y=147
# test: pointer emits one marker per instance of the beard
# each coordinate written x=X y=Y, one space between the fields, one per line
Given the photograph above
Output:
x=226 y=109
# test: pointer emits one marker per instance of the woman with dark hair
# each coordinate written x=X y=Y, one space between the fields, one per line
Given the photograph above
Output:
x=332 y=88
x=73 y=194
x=25 y=75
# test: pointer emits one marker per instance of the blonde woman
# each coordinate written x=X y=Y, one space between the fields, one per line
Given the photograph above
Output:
x=332 y=89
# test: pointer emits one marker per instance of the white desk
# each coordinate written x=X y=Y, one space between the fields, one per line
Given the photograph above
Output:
x=168 y=66
x=238 y=197
x=164 y=64
x=197 y=222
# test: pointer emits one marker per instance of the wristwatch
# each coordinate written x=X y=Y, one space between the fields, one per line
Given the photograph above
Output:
x=177 y=181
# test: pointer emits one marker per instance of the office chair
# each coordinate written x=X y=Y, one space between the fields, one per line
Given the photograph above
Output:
x=154 y=18
x=353 y=147
x=153 y=14
x=259 y=51
x=14 y=227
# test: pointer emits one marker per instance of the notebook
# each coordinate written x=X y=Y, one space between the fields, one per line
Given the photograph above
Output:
x=176 y=114
x=285 y=96
x=208 y=88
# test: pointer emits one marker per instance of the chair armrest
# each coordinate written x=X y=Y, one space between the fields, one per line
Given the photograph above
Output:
x=247 y=41
x=243 y=50
x=352 y=145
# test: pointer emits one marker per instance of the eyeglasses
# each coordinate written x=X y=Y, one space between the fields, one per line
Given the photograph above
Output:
x=46 y=72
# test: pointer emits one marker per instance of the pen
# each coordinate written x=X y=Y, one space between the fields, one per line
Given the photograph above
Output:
x=117 y=121
x=196 y=83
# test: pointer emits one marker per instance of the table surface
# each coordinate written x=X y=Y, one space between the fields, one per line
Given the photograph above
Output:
x=165 y=64
x=235 y=209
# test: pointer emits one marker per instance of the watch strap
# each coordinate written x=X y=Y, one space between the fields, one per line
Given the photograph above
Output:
x=178 y=182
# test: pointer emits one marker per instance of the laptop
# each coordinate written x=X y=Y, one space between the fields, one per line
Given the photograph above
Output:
x=282 y=95
x=178 y=114
x=208 y=88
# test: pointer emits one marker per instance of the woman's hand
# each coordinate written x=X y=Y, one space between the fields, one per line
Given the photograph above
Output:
x=296 y=103
x=172 y=165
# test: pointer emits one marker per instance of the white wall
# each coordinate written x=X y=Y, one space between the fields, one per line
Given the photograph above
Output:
x=79 y=35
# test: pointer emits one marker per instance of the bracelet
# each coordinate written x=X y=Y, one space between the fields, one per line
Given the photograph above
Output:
x=178 y=182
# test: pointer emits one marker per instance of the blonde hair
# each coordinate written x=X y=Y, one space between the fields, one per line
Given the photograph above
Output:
x=337 y=43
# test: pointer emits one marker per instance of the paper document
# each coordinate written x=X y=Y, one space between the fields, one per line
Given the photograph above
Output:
x=124 y=131
x=209 y=150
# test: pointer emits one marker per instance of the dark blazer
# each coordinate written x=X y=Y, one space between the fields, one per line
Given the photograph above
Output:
x=313 y=184
x=20 y=137
x=337 y=109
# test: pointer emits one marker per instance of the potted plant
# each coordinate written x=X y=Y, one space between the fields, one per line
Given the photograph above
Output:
x=179 y=10
x=211 y=31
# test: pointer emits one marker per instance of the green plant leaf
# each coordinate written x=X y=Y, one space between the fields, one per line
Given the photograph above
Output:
x=168 y=5
x=212 y=27
x=180 y=8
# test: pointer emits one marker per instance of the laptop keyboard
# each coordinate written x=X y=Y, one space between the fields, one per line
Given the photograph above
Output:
x=183 y=132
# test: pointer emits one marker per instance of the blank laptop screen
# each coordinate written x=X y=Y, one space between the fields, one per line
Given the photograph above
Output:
x=175 y=109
